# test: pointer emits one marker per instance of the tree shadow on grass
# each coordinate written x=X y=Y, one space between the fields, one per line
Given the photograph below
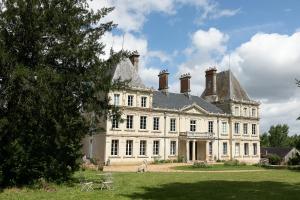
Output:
x=221 y=190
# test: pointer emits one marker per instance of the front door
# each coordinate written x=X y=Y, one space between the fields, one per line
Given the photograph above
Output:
x=191 y=150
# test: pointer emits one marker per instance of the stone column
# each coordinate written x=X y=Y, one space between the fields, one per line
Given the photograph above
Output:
x=187 y=150
x=207 y=151
x=194 y=150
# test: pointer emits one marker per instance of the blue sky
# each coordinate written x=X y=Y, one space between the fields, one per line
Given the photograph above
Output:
x=261 y=38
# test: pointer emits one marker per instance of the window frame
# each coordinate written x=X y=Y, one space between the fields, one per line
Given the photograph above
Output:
x=254 y=149
x=143 y=122
x=245 y=131
x=246 y=150
x=114 y=148
x=253 y=129
x=236 y=128
x=225 y=147
x=143 y=102
x=237 y=144
x=156 y=147
x=210 y=126
x=130 y=100
x=172 y=125
x=156 y=123
x=143 y=147
x=129 y=122
x=129 y=148
x=193 y=125
x=224 y=127
x=114 y=122
x=116 y=100
x=173 y=148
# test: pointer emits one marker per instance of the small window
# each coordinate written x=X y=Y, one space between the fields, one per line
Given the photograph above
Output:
x=156 y=123
x=245 y=129
x=143 y=122
x=193 y=125
x=115 y=122
x=224 y=148
x=173 y=124
x=130 y=100
x=245 y=112
x=224 y=127
x=129 y=123
x=144 y=102
x=156 y=147
x=114 y=147
x=210 y=148
x=129 y=144
x=237 y=128
x=237 y=149
x=173 y=148
x=210 y=126
x=254 y=149
x=246 y=149
x=143 y=145
x=253 y=129
x=253 y=112
x=116 y=99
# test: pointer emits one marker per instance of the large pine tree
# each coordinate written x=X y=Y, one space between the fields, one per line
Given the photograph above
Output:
x=50 y=73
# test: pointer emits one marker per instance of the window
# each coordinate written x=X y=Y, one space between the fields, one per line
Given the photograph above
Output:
x=173 y=124
x=245 y=112
x=130 y=100
x=156 y=123
x=144 y=102
x=237 y=128
x=114 y=147
x=143 y=145
x=173 y=148
x=253 y=112
x=193 y=125
x=115 y=122
x=116 y=99
x=129 y=144
x=237 y=149
x=143 y=122
x=246 y=149
x=155 y=147
x=129 y=123
x=245 y=129
x=224 y=148
x=210 y=126
x=253 y=129
x=210 y=148
x=236 y=111
x=224 y=127
x=254 y=149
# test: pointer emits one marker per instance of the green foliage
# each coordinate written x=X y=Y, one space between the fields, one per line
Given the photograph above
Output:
x=234 y=163
x=201 y=165
x=264 y=140
x=274 y=159
x=278 y=135
x=294 y=160
x=50 y=74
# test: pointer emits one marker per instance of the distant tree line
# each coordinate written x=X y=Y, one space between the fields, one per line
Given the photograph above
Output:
x=277 y=136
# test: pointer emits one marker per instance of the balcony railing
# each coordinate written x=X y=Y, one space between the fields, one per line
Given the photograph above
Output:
x=197 y=135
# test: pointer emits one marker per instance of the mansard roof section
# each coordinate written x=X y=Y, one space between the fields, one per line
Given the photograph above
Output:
x=125 y=71
x=178 y=101
x=229 y=88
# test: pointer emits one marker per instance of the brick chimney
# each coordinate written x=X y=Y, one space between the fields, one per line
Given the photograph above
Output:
x=211 y=81
x=185 y=83
x=134 y=58
x=163 y=81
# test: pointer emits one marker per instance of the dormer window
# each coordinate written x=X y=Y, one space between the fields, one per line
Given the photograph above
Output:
x=116 y=99
x=144 y=102
x=130 y=100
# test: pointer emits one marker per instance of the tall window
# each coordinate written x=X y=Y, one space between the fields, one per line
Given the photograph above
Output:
x=253 y=129
x=237 y=149
x=143 y=122
x=173 y=124
x=129 y=144
x=116 y=99
x=236 y=111
x=237 y=128
x=254 y=149
x=115 y=122
x=246 y=149
x=210 y=148
x=173 y=148
x=143 y=146
x=193 y=125
x=156 y=123
x=144 y=102
x=130 y=100
x=114 y=147
x=224 y=127
x=253 y=112
x=129 y=122
x=245 y=112
x=224 y=148
x=156 y=147
x=210 y=126
x=245 y=129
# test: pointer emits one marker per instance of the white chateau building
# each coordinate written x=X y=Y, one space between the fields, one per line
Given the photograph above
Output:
x=221 y=124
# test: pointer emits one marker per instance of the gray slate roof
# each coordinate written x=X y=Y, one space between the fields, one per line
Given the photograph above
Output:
x=125 y=71
x=178 y=101
x=280 y=151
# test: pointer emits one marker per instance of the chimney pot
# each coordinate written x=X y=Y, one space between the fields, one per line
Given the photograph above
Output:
x=185 y=83
x=163 y=81
x=211 y=81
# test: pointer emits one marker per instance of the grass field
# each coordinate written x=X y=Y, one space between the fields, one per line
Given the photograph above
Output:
x=219 y=167
x=268 y=184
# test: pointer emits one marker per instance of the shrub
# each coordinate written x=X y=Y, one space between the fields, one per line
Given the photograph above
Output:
x=201 y=165
x=294 y=160
x=274 y=159
x=231 y=163
x=294 y=167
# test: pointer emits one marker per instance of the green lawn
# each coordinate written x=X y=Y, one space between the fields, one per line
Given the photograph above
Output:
x=269 y=184
x=219 y=167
